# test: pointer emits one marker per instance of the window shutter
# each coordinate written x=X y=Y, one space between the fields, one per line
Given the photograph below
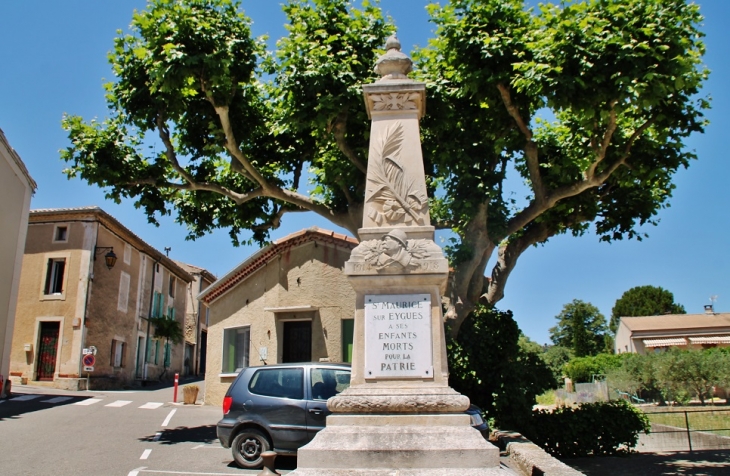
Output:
x=123 y=292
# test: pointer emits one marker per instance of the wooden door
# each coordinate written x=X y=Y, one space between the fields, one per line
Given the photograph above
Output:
x=47 y=348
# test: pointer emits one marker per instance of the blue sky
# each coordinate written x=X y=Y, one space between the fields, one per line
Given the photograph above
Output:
x=53 y=61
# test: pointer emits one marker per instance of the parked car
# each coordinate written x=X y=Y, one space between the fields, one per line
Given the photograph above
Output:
x=282 y=407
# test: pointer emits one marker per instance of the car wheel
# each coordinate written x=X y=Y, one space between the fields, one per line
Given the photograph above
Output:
x=247 y=447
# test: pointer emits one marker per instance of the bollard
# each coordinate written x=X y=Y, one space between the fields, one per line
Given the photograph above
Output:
x=174 y=395
x=269 y=457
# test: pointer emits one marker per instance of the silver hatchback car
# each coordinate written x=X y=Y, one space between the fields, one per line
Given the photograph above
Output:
x=279 y=407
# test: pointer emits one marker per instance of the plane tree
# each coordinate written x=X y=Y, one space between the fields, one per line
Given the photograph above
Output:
x=587 y=103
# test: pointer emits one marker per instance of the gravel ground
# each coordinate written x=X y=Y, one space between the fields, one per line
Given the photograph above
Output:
x=697 y=463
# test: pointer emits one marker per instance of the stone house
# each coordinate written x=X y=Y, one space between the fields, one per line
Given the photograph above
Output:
x=288 y=302
x=88 y=282
x=196 y=320
x=655 y=333
x=16 y=189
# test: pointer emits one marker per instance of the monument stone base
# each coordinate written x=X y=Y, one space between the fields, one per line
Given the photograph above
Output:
x=403 y=445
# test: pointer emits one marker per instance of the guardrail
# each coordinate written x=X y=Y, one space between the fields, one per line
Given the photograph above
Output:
x=687 y=430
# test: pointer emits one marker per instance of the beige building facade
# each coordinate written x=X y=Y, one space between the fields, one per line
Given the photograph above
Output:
x=16 y=189
x=71 y=303
x=196 y=320
x=647 y=334
x=289 y=302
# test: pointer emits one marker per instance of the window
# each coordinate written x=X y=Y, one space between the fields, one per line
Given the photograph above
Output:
x=117 y=353
x=171 y=286
x=123 y=298
x=54 y=276
x=171 y=313
x=235 y=349
x=327 y=383
x=282 y=383
x=60 y=233
x=127 y=253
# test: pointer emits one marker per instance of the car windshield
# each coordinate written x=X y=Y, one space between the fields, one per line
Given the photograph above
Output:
x=282 y=383
x=327 y=383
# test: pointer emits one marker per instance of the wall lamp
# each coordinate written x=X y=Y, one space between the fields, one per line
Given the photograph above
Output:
x=110 y=258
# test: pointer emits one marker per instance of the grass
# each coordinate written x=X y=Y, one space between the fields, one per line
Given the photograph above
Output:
x=717 y=421
x=547 y=398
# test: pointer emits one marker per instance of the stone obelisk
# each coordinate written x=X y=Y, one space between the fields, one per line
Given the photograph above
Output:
x=399 y=414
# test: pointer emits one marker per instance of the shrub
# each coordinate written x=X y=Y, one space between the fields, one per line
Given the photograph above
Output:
x=592 y=429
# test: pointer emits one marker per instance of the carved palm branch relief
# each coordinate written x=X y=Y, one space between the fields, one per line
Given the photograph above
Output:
x=398 y=197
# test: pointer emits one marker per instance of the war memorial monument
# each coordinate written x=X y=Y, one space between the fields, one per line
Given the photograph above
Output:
x=399 y=416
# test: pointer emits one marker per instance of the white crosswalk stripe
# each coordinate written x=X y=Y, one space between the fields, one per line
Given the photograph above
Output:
x=24 y=398
x=57 y=400
x=119 y=403
x=152 y=405
x=90 y=401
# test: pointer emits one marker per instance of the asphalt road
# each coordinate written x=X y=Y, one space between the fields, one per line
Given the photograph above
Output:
x=129 y=433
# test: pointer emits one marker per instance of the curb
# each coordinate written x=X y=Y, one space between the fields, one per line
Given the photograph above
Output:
x=529 y=458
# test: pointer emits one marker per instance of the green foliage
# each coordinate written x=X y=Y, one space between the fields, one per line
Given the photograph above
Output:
x=581 y=327
x=487 y=364
x=583 y=369
x=644 y=301
x=676 y=375
x=556 y=356
x=592 y=429
x=204 y=123
x=691 y=373
x=168 y=329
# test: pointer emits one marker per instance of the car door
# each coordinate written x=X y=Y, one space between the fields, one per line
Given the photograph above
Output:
x=278 y=402
x=324 y=383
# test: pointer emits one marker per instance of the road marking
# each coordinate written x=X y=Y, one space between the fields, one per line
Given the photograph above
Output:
x=157 y=437
x=57 y=400
x=145 y=470
x=119 y=403
x=169 y=417
x=145 y=454
x=152 y=405
x=135 y=472
x=90 y=401
x=25 y=398
x=208 y=447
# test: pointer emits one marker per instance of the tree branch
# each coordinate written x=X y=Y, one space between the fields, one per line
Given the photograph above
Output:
x=531 y=152
x=192 y=184
x=339 y=128
x=273 y=191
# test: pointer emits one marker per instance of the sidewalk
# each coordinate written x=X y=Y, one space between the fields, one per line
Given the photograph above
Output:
x=697 y=463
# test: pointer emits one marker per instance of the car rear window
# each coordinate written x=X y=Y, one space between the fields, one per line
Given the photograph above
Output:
x=327 y=383
x=282 y=383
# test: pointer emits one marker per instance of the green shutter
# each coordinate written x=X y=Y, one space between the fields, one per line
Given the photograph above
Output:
x=348 y=331
x=157 y=350
x=161 y=306
x=149 y=350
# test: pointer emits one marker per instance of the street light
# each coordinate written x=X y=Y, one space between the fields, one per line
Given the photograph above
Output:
x=110 y=258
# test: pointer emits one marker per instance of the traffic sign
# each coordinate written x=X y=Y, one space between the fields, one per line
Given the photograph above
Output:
x=88 y=368
x=89 y=361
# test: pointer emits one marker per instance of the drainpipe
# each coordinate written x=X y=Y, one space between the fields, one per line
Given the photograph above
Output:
x=149 y=316
x=89 y=282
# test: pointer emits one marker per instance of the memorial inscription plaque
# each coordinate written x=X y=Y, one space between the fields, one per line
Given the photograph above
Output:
x=398 y=336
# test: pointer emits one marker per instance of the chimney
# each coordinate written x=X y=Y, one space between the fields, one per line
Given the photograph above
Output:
x=709 y=309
